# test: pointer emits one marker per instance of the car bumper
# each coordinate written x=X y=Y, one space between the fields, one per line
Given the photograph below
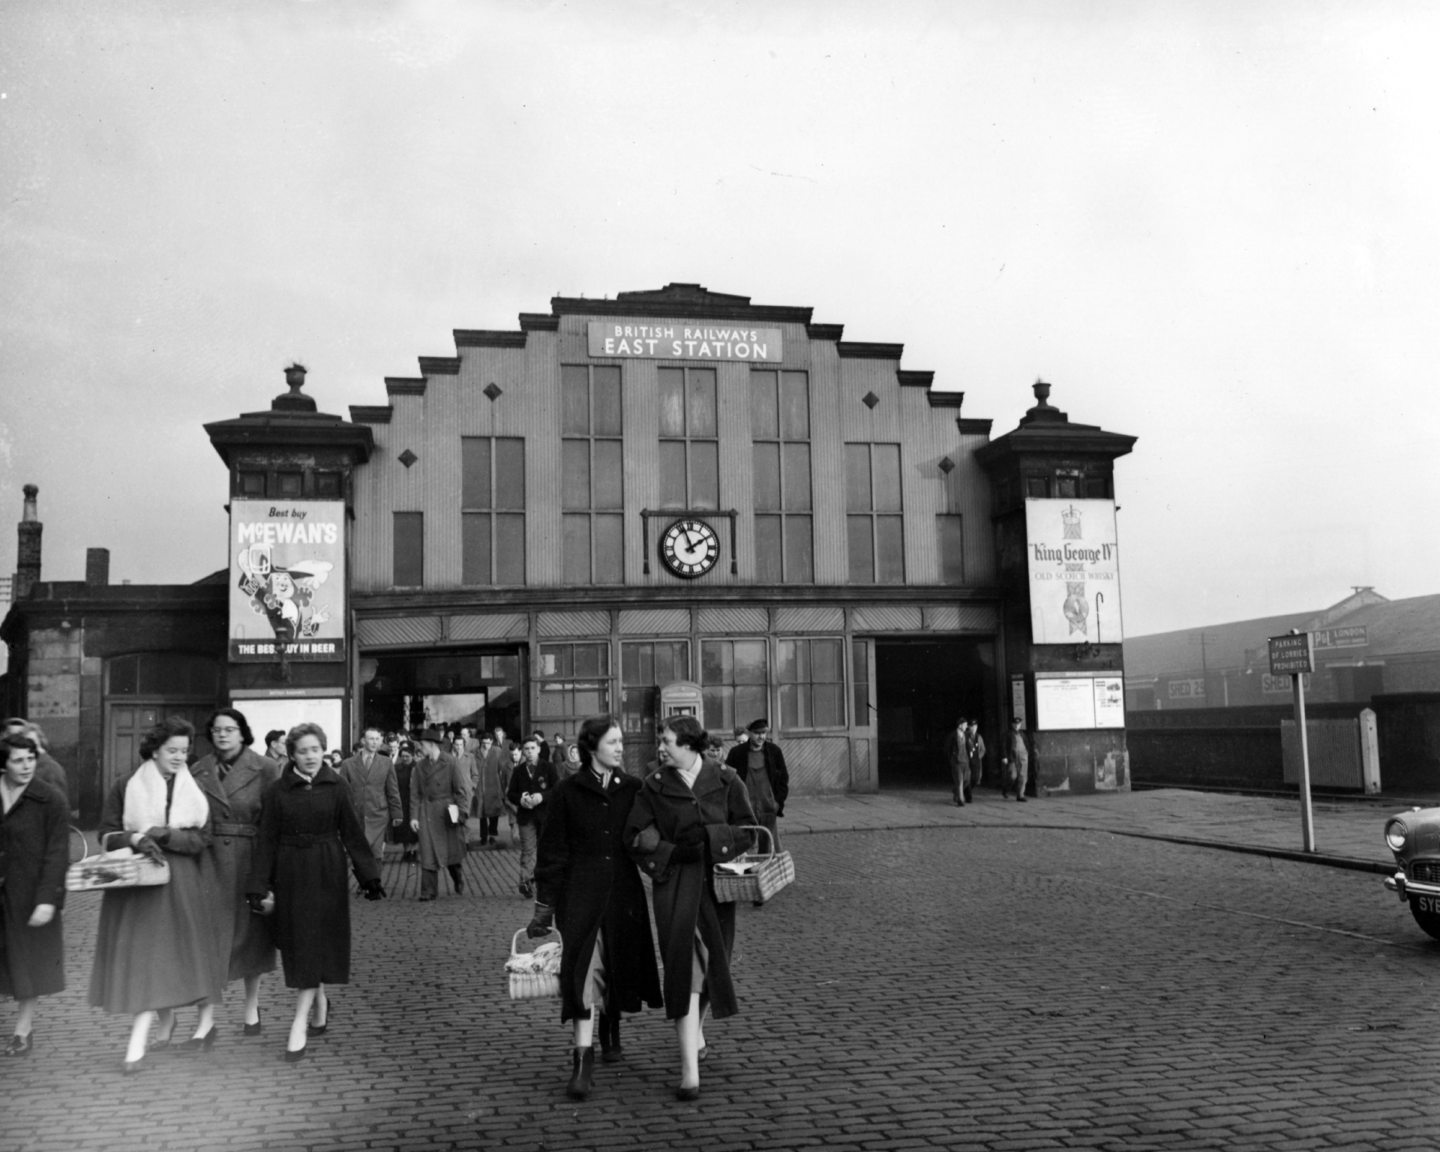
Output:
x=1404 y=888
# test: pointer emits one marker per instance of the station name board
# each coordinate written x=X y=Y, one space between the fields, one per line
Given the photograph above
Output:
x=684 y=340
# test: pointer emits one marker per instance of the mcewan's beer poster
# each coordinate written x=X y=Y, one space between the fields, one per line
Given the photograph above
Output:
x=287 y=580
x=1074 y=565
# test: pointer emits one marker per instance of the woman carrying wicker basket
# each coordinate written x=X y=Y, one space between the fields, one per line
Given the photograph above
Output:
x=587 y=883
x=34 y=850
x=688 y=816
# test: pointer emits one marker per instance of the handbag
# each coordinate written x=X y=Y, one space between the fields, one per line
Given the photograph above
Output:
x=534 y=975
x=118 y=868
x=754 y=876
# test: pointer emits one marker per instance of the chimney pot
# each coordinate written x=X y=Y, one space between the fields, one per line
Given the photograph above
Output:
x=97 y=567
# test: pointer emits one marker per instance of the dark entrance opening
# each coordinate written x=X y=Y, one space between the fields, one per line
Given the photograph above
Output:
x=481 y=689
x=921 y=687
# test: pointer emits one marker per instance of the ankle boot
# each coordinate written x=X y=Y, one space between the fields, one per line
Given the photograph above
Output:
x=610 y=1050
x=579 y=1086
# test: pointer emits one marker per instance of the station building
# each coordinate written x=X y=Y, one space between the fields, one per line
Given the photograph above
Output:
x=672 y=500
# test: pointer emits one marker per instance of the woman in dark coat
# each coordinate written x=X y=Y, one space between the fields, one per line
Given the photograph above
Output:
x=588 y=884
x=234 y=779
x=436 y=784
x=154 y=948
x=687 y=817
x=34 y=853
x=307 y=826
x=403 y=834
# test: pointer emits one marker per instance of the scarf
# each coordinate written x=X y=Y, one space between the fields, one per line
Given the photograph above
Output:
x=145 y=801
x=690 y=774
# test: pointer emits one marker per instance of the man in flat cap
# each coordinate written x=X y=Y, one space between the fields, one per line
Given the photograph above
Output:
x=761 y=765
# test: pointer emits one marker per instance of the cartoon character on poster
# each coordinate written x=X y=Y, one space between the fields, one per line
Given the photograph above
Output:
x=285 y=596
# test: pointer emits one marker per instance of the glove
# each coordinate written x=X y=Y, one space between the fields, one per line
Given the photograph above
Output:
x=149 y=849
x=541 y=922
x=691 y=836
x=374 y=890
x=257 y=904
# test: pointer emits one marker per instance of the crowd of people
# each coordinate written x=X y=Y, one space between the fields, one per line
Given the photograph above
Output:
x=259 y=847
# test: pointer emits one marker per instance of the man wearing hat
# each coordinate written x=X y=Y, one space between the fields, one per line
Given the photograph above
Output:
x=761 y=765
x=531 y=783
x=439 y=804
x=374 y=790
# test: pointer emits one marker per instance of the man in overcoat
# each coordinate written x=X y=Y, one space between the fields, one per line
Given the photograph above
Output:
x=957 y=761
x=761 y=765
x=436 y=784
x=530 y=785
x=374 y=790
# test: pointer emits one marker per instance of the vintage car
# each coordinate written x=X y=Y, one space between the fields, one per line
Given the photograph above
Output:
x=1414 y=837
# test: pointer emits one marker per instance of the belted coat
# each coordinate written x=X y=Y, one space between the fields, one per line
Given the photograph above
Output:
x=34 y=853
x=586 y=875
x=244 y=943
x=684 y=892
x=434 y=786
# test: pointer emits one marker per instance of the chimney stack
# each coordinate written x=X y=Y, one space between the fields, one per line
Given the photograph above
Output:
x=97 y=567
x=27 y=555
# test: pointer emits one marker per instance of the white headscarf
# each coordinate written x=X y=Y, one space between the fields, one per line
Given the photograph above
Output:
x=145 y=801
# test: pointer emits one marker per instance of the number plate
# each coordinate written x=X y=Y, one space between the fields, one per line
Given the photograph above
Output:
x=1428 y=904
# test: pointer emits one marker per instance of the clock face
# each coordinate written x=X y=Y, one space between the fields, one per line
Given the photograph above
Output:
x=689 y=548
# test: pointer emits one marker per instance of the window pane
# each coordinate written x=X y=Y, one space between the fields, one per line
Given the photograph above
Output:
x=608 y=475
x=510 y=473
x=890 y=550
x=636 y=664
x=860 y=678
x=797 y=477
x=409 y=550
x=952 y=548
x=575 y=530
x=701 y=401
x=474 y=472
x=719 y=704
x=705 y=474
x=751 y=703
x=795 y=405
x=862 y=549
x=827 y=706
x=886 y=459
x=609 y=547
x=607 y=418
x=672 y=661
x=768 y=554
x=289 y=483
x=750 y=662
x=764 y=414
x=857 y=477
x=790 y=716
x=574 y=400
x=672 y=474
x=587 y=660
x=510 y=549
x=591 y=701
x=475 y=548
x=799 y=550
x=767 y=476
x=786 y=661
x=575 y=474
x=672 y=401
x=716 y=662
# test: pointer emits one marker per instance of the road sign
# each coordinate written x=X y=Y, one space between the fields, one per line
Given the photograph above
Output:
x=1291 y=655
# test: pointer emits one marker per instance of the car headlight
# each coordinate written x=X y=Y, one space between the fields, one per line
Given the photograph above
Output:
x=1395 y=833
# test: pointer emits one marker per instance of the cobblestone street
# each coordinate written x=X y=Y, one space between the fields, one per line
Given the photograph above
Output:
x=979 y=987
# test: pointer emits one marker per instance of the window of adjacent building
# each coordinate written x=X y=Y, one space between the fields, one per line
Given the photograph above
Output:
x=951 y=531
x=592 y=488
x=810 y=683
x=327 y=485
x=250 y=484
x=734 y=686
x=645 y=667
x=409 y=549
x=492 y=510
x=1096 y=487
x=689 y=444
x=573 y=682
x=169 y=674
x=874 y=525
x=780 y=430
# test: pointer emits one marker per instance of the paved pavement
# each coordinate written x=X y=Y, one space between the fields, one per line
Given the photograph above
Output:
x=915 y=989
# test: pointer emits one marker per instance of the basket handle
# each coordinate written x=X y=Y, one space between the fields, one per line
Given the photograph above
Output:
x=84 y=844
x=769 y=837
x=515 y=941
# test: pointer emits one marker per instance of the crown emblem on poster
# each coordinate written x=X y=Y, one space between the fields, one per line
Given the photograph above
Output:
x=1070 y=518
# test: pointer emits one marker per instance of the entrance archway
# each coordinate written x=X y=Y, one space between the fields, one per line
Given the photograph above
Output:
x=921 y=686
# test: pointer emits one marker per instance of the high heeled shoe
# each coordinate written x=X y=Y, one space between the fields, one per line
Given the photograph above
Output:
x=131 y=1067
x=199 y=1043
x=684 y=1093
x=162 y=1042
x=294 y=1055
x=253 y=1029
x=19 y=1045
x=321 y=1029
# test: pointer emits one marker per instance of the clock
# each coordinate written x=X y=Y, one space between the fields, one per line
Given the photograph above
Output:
x=689 y=548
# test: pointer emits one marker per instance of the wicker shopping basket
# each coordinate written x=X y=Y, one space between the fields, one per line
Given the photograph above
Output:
x=763 y=874
x=121 y=868
x=534 y=975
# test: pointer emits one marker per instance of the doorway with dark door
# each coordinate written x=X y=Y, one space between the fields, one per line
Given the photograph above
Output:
x=921 y=687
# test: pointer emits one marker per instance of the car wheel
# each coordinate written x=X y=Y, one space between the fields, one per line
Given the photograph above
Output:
x=1429 y=921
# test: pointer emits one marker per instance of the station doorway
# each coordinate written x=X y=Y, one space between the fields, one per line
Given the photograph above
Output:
x=407 y=692
x=921 y=686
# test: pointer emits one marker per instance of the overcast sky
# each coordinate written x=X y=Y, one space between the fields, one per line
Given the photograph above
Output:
x=1210 y=225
